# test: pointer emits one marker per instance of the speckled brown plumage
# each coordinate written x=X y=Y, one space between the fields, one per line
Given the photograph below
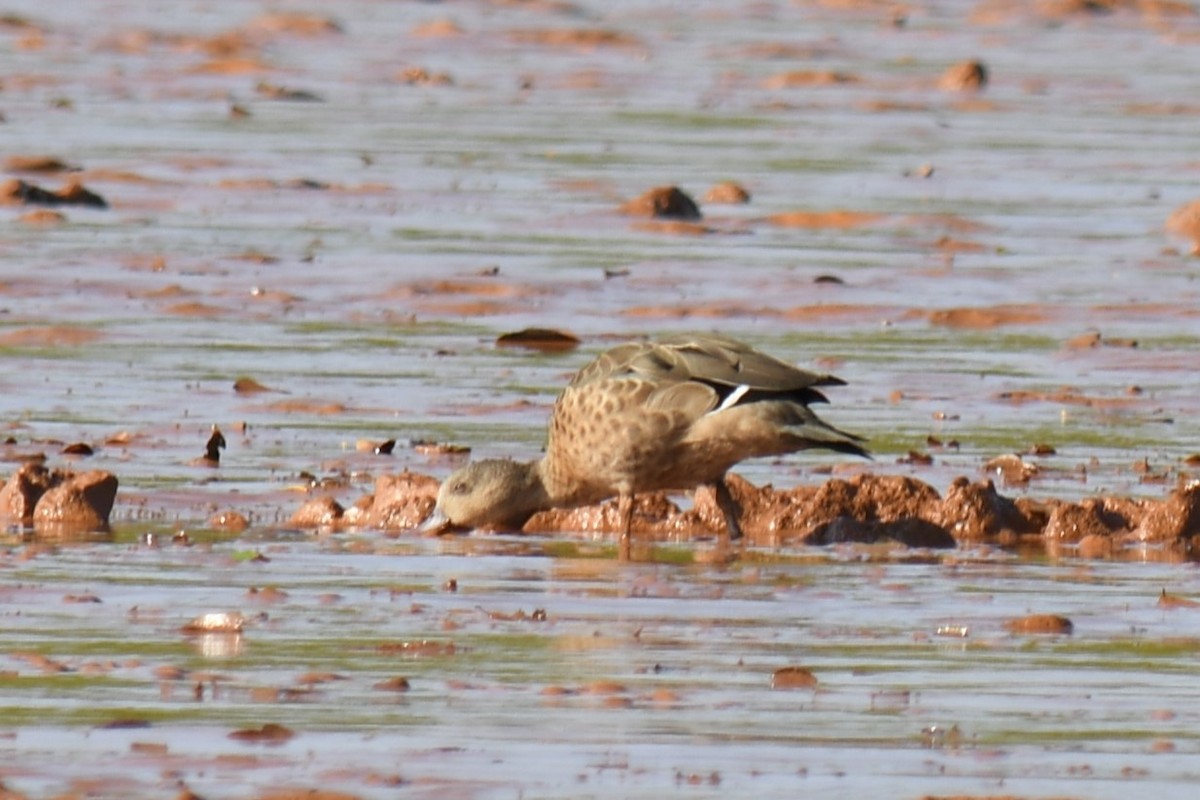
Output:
x=670 y=415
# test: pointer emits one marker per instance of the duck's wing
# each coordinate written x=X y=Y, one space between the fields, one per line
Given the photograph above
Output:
x=611 y=362
x=708 y=358
x=685 y=402
x=690 y=376
x=724 y=373
x=719 y=359
x=645 y=378
x=679 y=412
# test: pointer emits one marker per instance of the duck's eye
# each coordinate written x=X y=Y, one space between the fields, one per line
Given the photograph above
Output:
x=459 y=487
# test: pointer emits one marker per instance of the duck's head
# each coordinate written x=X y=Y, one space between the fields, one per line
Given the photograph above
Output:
x=495 y=494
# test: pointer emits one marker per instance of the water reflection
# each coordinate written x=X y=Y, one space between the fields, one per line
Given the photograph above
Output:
x=218 y=646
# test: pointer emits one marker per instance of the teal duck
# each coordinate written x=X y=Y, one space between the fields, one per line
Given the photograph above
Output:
x=667 y=415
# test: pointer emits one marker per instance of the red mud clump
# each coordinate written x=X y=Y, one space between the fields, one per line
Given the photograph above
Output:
x=1174 y=519
x=17 y=191
x=727 y=193
x=401 y=501
x=864 y=508
x=838 y=219
x=967 y=76
x=59 y=502
x=869 y=508
x=1185 y=223
x=1043 y=624
x=976 y=512
x=544 y=339
x=318 y=512
x=1075 y=522
x=654 y=516
x=987 y=318
x=664 y=202
x=807 y=78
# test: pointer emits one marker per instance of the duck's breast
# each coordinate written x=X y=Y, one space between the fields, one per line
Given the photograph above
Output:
x=620 y=434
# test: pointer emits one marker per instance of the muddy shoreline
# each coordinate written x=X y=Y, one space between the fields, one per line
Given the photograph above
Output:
x=835 y=505
x=863 y=508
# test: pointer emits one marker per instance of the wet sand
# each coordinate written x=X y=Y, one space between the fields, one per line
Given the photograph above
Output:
x=310 y=228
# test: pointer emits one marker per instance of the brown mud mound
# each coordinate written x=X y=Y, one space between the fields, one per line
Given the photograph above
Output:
x=59 y=502
x=17 y=191
x=987 y=318
x=865 y=508
x=1074 y=522
x=401 y=501
x=1043 y=624
x=727 y=193
x=1184 y=222
x=544 y=339
x=808 y=78
x=20 y=494
x=50 y=336
x=966 y=76
x=665 y=202
x=976 y=512
x=318 y=512
x=43 y=164
x=1175 y=519
x=837 y=219
x=654 y=516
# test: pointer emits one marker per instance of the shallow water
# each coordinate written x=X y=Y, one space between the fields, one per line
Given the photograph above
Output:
x=358 y=256
x=549 y=677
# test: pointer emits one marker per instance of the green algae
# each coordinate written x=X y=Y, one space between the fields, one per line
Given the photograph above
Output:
x=691 y=120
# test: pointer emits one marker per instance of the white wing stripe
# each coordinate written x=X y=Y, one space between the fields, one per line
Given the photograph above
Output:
x=732 y=399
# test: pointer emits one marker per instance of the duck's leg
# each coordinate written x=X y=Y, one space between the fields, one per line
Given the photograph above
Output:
x=732 y=511
x=625 y=513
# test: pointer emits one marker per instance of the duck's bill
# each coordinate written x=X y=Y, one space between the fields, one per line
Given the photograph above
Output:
x=437 y=524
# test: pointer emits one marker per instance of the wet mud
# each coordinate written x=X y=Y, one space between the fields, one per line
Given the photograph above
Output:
x=862 y=508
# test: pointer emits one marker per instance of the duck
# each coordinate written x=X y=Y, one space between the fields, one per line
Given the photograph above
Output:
x=212 y=449
x=666 y=415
